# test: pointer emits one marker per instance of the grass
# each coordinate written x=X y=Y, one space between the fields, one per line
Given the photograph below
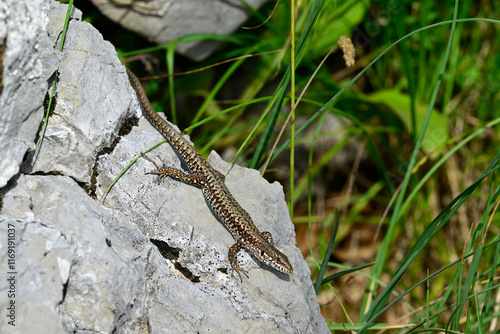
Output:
x=407 y=240
x=51 y=95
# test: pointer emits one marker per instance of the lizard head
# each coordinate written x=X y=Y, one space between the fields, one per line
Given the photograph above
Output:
x=268 y=254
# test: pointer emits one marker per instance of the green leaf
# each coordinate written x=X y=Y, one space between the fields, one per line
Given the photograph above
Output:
x=399 y=103
x=338 y=18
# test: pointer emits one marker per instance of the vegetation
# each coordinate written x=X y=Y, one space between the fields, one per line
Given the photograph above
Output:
x=395 y=158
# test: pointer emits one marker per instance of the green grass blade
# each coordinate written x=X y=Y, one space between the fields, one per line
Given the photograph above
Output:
x=124 y=170
x=282 y=88
x=170 y=68
x=329 y=249
x=337 y=96
x=454 y=263
x=63 y=36
x=396 y=216
x=425 y=238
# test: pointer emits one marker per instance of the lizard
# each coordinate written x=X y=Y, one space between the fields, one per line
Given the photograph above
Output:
x=202 y=175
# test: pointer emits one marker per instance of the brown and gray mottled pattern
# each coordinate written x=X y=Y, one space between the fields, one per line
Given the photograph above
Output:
x=231 y=214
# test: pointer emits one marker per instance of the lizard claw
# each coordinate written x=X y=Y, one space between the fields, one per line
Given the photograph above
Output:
x=239 y=271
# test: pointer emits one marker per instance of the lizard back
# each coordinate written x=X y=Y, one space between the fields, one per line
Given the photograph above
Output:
x=217 y=195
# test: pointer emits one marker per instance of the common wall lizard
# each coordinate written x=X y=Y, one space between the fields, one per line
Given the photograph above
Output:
x=217 y=195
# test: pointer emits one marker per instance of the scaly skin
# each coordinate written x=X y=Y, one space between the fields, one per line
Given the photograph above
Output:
x=218 y=197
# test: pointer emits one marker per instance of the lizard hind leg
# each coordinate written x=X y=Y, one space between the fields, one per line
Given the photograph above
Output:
x=268 y=237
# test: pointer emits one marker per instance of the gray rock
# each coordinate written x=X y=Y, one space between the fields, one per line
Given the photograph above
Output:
x=89 y=97
x=162 y=21
x=75 y=264
x=152 y=258
x=177 y=215
x=27 y=59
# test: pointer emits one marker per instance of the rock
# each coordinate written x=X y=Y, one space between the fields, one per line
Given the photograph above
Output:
x=89 y=96
x=26 y=62
x=162 y=21
x=152 y=258
x=75 y=265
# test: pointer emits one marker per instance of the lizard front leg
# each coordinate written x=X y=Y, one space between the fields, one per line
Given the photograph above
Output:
x=233 y=251
x=196 y=180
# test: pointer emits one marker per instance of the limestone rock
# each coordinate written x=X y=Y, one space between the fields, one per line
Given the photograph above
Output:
x=162 y=21
x=152 y=258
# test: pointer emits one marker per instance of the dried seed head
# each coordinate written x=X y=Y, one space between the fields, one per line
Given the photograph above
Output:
x=347 y=48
